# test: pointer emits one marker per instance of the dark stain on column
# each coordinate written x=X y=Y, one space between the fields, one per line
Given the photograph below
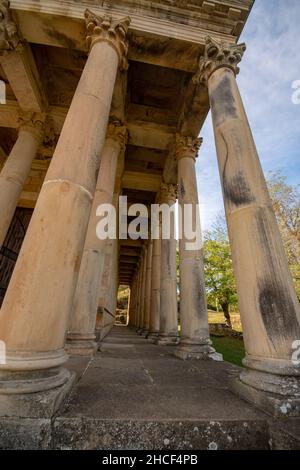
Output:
x=181 y=189
x=198 y=287
x=236 y=188
x=275 y=304
x=222 y=102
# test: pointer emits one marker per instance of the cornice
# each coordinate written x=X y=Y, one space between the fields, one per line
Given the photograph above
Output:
x=159 y=18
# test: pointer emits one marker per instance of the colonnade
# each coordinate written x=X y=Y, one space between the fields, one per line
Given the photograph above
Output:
x=54 y=290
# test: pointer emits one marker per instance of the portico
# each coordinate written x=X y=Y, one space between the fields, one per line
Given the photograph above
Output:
x=109 y=100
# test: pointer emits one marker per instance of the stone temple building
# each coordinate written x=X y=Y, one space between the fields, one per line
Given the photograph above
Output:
x=106 y=98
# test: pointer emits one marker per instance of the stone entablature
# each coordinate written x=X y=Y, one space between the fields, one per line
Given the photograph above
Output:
x=224 y=19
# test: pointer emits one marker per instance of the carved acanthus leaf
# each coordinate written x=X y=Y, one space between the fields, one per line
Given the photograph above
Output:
x=104 y=28
x=9 y=37
x=187 y=146
x=34 y=122
x=119 y=132
x=168 y=193
x=218 y=55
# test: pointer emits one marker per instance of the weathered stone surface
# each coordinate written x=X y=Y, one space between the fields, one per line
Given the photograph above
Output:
x=18 y=433
x=135 y=395
x=35 y=405
x=273 y=403
x=79 y=433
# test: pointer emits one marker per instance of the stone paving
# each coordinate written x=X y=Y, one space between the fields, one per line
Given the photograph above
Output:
x=135 y=394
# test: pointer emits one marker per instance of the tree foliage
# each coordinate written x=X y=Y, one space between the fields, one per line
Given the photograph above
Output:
x=219 y=278
x=286 y=205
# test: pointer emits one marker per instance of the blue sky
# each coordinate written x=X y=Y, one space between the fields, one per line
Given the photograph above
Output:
x=269 y=67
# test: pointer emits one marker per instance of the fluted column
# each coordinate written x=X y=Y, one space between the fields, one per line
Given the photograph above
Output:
x=36 y=309
x=268 y=304
x=194 y=339
x=168 y=330
x=81 y=336
x=146 y=323
x=17 y=167
x=155 y=289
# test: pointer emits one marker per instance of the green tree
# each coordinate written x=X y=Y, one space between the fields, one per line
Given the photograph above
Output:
x=286 y=205
x=219 y=278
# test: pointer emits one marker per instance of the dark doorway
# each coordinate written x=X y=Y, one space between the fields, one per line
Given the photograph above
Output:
x=12 y=245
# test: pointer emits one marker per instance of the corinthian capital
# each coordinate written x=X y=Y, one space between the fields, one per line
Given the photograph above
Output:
x=187 y=147
x=9 y=38
x=118 y=132
x=218 y=55
x=34 y=123
x=104 y=28
x=168 y=193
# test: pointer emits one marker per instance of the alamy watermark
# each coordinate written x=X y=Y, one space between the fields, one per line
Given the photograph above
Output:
x=296 y=93
x=133 y=222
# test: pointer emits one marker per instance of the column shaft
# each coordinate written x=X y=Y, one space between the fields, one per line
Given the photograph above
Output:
x=267 y=300
x=139 y=295
x=168 y=331
x=269 y=308
x=15 y=172
x=81 y=336
x=41 y=290
x=146 y=325
x=194 y=339
x=155 y=290
x=143 y=290
x=107 y=301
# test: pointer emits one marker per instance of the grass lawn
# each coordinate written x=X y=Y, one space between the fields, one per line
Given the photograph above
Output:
x=232 y=349
x=218 y=317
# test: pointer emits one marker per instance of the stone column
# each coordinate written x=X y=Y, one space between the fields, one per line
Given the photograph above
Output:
x=17 y=167
x=140 y=302
x=146 y=324
x=136 y=304
x=139 y=289
x=36 y=310
x=194 y=339
x=81 y=336
x=155 y=289
x=109 y=282
x=143 y=290
x=268 y=304
x=132 y=302
x=168 y=330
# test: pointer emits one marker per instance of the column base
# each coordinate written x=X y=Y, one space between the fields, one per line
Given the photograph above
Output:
x=277 y=395
x=81 y=348
x=97 y=334
x=153 y=336
x=197 y=351
x=81 y=344
x=34 y=394
x=145 y=333
x=167 y=340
